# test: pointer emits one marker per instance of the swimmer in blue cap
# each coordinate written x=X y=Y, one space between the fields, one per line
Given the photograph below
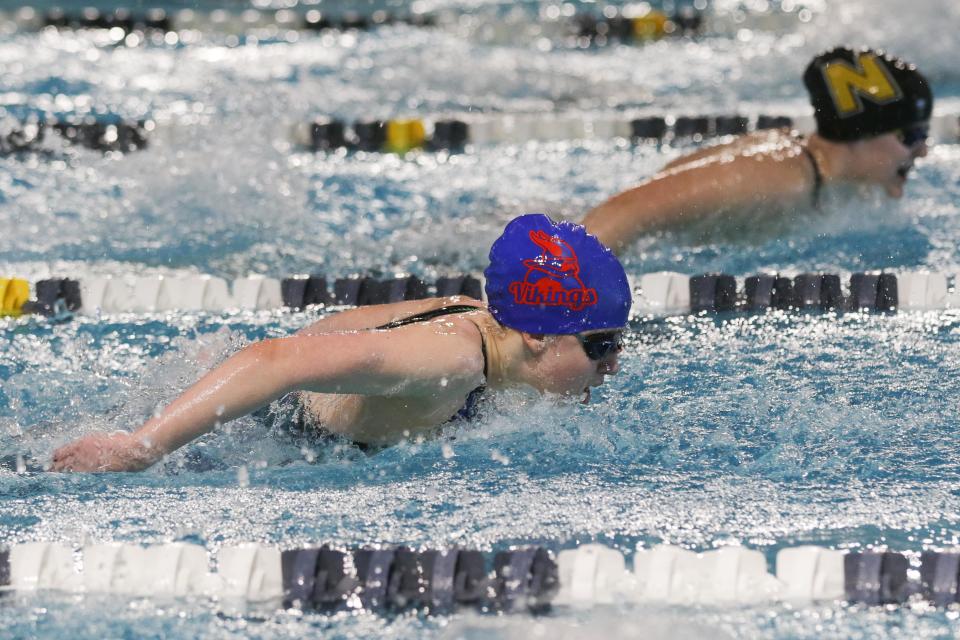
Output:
x=872 y=113
x=558 y=301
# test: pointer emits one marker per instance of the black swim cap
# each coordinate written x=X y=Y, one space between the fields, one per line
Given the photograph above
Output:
x=863 y=93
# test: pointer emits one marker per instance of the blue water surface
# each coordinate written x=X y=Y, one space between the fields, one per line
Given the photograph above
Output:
x=762 y=430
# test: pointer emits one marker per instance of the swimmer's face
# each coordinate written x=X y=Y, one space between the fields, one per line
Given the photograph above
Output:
x=564 y=368
x=886 y=160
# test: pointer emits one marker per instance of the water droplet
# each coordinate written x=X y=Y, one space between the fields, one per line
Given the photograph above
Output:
x=499 y=457
x=243 y=476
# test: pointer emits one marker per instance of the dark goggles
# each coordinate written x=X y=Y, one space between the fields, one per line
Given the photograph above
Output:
x=599 y=345
x=913 y=135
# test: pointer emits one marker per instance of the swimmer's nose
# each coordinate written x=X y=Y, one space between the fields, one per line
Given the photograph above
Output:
x=922 y=149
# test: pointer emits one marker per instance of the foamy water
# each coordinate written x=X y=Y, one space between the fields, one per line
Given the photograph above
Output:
x=764 y=431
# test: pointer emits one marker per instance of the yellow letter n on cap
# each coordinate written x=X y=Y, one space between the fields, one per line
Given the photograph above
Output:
x=850 y=84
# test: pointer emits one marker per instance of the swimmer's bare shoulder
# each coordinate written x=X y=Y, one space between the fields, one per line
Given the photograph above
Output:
x=451 y=367
x=408 y=356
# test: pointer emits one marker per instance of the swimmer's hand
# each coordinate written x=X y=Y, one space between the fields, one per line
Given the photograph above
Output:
x=117 y=451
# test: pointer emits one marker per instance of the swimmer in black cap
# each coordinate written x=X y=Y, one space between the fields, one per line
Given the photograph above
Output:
x=557 y=303
x=872 y=113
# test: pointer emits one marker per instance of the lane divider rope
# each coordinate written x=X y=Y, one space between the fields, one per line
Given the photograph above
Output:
x=451 y=134
x=330 y=579
x=137 y=294
x=659 y=294
x=454 y=133
x=632 y=25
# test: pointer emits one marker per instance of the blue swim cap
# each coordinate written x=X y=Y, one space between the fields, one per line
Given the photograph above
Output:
x=550 y=277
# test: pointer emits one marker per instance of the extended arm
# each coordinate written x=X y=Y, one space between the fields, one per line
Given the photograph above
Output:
x=696 y=189
x=369 y=363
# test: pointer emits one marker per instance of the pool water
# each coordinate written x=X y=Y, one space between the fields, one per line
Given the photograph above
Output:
x=763 y=430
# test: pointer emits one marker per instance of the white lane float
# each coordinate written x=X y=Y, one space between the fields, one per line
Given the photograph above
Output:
x=592 y=573
x=257 y=292
x=250 y=572
x=161 y=570
x=922 y=291
x=42 y=565
x=810 y=573
x=664 y=293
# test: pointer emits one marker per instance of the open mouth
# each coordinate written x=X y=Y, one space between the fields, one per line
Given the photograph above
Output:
x=904 y=170
x=586 y=396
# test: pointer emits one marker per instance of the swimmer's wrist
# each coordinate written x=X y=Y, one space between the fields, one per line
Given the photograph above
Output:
x=136 y=454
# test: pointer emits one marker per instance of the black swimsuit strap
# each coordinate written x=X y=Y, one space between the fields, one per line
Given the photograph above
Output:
x=430 y=315
x=817 y=175
x=437 y=313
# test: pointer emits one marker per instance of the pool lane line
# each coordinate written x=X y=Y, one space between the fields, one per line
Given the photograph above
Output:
x=384 y=578
x=634 y=25
x=456 y=132
x=439 y=134
x=61 y=297
x=660 y=294
x=406 y=134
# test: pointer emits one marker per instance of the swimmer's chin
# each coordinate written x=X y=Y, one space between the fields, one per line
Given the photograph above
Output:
x=895 y=189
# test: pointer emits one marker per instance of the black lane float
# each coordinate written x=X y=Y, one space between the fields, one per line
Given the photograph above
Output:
x=97 y=133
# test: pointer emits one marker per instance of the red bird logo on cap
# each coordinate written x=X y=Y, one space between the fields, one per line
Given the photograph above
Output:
x=557 y=257
x=543 y=284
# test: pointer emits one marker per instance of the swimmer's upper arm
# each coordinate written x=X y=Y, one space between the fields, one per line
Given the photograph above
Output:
x=367 y=317
x=407 y=361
